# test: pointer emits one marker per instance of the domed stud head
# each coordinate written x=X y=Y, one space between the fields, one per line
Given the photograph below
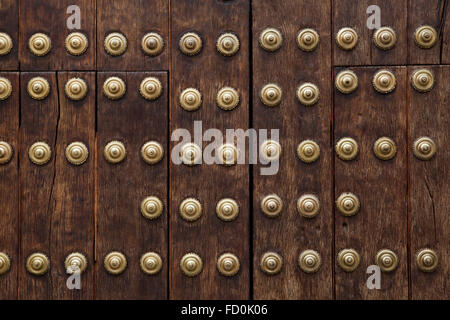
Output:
x=348 y=204
x=38 y=88
x=6 y=44
x=228 y=264
x=115 y=44
x=151 y=207
x=422 y=80
x=308 y=205
x=387 y=260
x=38 y=264
x=76 y=89
x=348 y=260
x=227 y=154
x=227 y=209
x=227 y=98
x=75 y=263
x=424 y=148
x=190 y=209
x=308 y=39
x=270 y=150
x=191 y=154
x=271 y=205
x=190 y=44
x=427 y=260
x=190 y=99
x=150 y=88
x=347 y=149
x=76 y=43
x=308 y=151
x=5 y=263
x=151 y=263
x=384 y=81
x=271 y=95
x=6 y=152
x=39 y=44
x=227 y=44
x=346 y=81
x=271 y=263
x=152 y=152
x=152 y=44
x=385 y=148
x=114 y=88
x=114 y=152
x=115 y=263
x=385 y=38
x=308 y=94
x=77 y=153
x=40 y=153
x=425 y=37
x=191 y=264
x=309 y=261
x=270 y=39
x=347 y=38
x=5 y=88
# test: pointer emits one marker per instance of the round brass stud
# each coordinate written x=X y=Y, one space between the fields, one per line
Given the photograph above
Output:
x=38 y=88
x=151 y=263
x=424 y=148
x=384 y=81
x=75 y=263
x=115 y=152
x=190 y=209
x=308 y=39
x=115 y=263
x=5 y=88
x=227 y=209
x=191 y=264
x=39 y=44
x=309 y=261
x=347 y=38
x=270 y=150
x=308 y=151
x=6 y=152
x=271 y=95
x=150 y=88
x=272 y=205
x=228 y=264
x=115 y=44
x=114 y=88
x=227 y=98
x=308 y=205
x=227 y=44
x=151 y=207
x=152 y=44
x=190 y=44
x=191 y=154
x=38 y=264
x=77 y=153
x=387 y=260
x=385 y=148
x=227 y=154
x=427 y=260
x=6 y=44
x=346 y=81
x=5 y=263
x=152 y=152
x=271 y=263
x=40 y=153
x=385 y=38
x=425 y=37
x=348 y=260
x=76 y=89
x=76 y=43
x=348 y=204
x=190 y=99
x=270 y=39
x=422 y=80
x=308 y=94
x=347 y=149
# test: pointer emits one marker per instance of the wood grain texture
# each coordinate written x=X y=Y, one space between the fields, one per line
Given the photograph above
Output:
x=9 y=189
x=121 y=188
x=208 y=71
x=429 y=186
x=290 y=233
x=445 y=56
x=134 y=19
x=50 y=17
x=353 y=14
x=9 y=15
x=381 y=186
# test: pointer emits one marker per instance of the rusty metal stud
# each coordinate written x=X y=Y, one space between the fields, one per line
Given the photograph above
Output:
x=190 y=99
x=427 y=260
x=424 y=148
x=76 y=43
x=348 y=204
x=425 y=37
x=115 y=44
x=115 y=263
x=114 y=88
x=151 y=207
x=76 y=89
x=270 y=150
x=227 y=98
x=309 y=261
x=387 y=260
x=75 y=263
x=191 y=264
x=191 y=154
x=6 y=152
x=227 y=154
x=38 y=264
x=385 y=38
x=348 y=260
x=190 y=209
x=5 y=88
x=152 y=152
x=152 y=43
x=38 y=88
x=228 y=264
x=39 y=44
x=308 y=94
x=347 y=38
x=5 y=263
x=422 y=80
x=384 y=81
x=271 y=205
x=270 y=39
x=115 y=152
x=40 y=153
x=150 y=88
x=6 y=44
x=385 y=148
x=190 y=44
x=346 y=81
x=347 y=149
x=227 y=209
x=77 y=153
x=271 y=95
x=308 y=39
x=308 y=151
x=227 y=44
x=308 y=205
x=151 y=263
x=271 y=263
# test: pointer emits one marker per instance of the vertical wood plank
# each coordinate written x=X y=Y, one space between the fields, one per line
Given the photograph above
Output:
x=446 y=36
x=9 y=24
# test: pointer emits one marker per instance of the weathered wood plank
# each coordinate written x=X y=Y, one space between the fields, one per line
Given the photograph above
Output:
x=9 y=15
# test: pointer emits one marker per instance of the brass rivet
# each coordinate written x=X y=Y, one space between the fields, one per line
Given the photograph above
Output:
x=114 y=88
x=151 y=207
x=346 y=81
x=38 y=88
x=308 y=94
x=308 y=39
x=424 y=148
x=77 y=153
x=39 y=44
x=385 y=148
x=271 y=95
x=76 y=43
x=115 y=44
x=271 y=205
x=422 y=80
x=75 y=263
x=150 y=88
x=308 y=205
x=270 y=150
x=191 y=154
x=227 y=154
x=191 y=264
x=227 y=209
x=5 y=88
x=152 y=44
x=40 y=153
x=38 y=264
x=348 y=260
x=6 y=152
x=190 y=99
x=384 y=81
x=270 y=39
x=385 y=38
x=348 y=204
x=227 y=98
x=347 y=38
x=309 y=261
x=115 y=263
x=427 y=260
x=347 y=149
x=308 y=151
x=227 y=44
x=151 y=263
x=5 y=263
x=190 y=44
x=115 y=152
x=6 y=44
x=425 y=37
x=387 y=260
x=152 y=152
x=271 y=263
x=228 y=264
x=190 y=209
x=76 y=89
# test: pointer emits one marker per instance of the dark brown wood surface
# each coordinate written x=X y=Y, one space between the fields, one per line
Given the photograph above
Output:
x=9 y=23
x=445 y=56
